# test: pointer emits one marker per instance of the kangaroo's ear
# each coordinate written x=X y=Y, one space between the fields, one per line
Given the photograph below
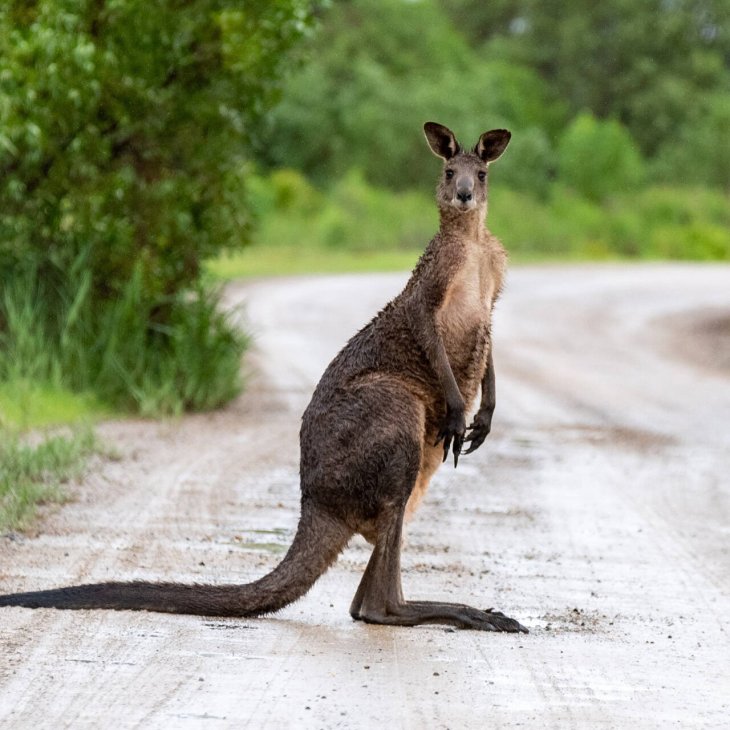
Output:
x=492 y=144
x=441 y=140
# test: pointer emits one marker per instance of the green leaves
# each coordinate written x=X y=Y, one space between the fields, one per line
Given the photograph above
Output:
x=125 y=127
x=122 y=121
x=598 y=158
x=379 y=68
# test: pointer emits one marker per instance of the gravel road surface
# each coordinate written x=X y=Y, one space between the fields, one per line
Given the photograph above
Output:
x=597 y=514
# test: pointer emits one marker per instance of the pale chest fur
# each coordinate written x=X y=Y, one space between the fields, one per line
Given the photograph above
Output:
x=466 y=308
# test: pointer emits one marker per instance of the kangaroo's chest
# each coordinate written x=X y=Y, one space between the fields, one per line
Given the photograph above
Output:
x=467 y=303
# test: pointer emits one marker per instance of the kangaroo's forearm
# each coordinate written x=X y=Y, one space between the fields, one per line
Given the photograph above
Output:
x=428 y=337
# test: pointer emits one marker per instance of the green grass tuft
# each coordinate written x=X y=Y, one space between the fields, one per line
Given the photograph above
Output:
x=154 y=355
x=272 y=261
x=32 y=474
x=26 y=404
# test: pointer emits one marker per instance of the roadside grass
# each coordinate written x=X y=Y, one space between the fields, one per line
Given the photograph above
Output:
x=154 y=355
x=32 y=474
x=68 y=360
x=46 y=438
x=261 y=260
x=26 y=404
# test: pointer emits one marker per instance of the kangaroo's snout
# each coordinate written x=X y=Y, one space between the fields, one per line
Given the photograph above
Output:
x=465 y=189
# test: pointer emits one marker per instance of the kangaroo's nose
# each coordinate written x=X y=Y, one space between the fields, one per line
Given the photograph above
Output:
x=464 y=189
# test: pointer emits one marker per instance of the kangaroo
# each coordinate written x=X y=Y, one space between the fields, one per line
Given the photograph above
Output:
x=387 y=411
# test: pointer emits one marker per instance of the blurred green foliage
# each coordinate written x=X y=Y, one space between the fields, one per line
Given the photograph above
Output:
x=612 y=105
x=353 y=214
x=657 y=222
x=654 y=76
x=377 y=71
x=124 y=128
x=597 y=158
x=649 y=64
x=357 y=226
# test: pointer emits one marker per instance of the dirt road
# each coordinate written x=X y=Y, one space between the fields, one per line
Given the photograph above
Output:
x=597 y=513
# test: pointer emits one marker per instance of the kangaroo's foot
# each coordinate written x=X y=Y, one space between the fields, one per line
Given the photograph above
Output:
x=414 y=613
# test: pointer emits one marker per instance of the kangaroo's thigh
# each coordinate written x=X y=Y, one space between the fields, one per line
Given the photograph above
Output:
x=366 y=450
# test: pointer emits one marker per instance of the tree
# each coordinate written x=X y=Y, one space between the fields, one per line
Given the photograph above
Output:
x=643 y=63
x=482 y=21
x=377 y=71
x=123 y=126
x=598 y=158
x=124 y=130
x=700 y=151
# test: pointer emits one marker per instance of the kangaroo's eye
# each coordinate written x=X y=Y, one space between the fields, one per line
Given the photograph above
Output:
x=482 y=175
x=449 y=174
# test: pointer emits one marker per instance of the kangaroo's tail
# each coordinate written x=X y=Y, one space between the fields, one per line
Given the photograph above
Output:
x=318 y=541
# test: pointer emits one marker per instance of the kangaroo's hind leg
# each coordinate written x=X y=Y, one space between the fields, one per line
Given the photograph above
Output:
x=385 y=459
x=379 y=598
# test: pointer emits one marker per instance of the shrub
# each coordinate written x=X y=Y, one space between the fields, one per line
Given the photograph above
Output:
x=158 y=355
x=598 y=158
x=351 y=215
x=529 y=163
x=700 y=151
x=354 y=216
x=122 y=125
x=123 y=131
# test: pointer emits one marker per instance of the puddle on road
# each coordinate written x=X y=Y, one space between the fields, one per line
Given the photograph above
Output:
x=623 y=436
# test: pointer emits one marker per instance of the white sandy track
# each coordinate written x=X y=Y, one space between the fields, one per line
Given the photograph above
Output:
x=597 y=513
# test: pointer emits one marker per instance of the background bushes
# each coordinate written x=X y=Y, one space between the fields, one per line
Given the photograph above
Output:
x=124 y=129
x=614 y=107
x=354 y=216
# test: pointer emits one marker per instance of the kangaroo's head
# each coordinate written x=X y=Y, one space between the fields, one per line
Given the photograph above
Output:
x=463 y=184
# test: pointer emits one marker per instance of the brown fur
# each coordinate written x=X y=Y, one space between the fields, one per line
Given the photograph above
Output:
x=387 y=411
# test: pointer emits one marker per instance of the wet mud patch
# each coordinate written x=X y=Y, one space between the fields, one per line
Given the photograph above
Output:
x=700 y=337
x=625 y=437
